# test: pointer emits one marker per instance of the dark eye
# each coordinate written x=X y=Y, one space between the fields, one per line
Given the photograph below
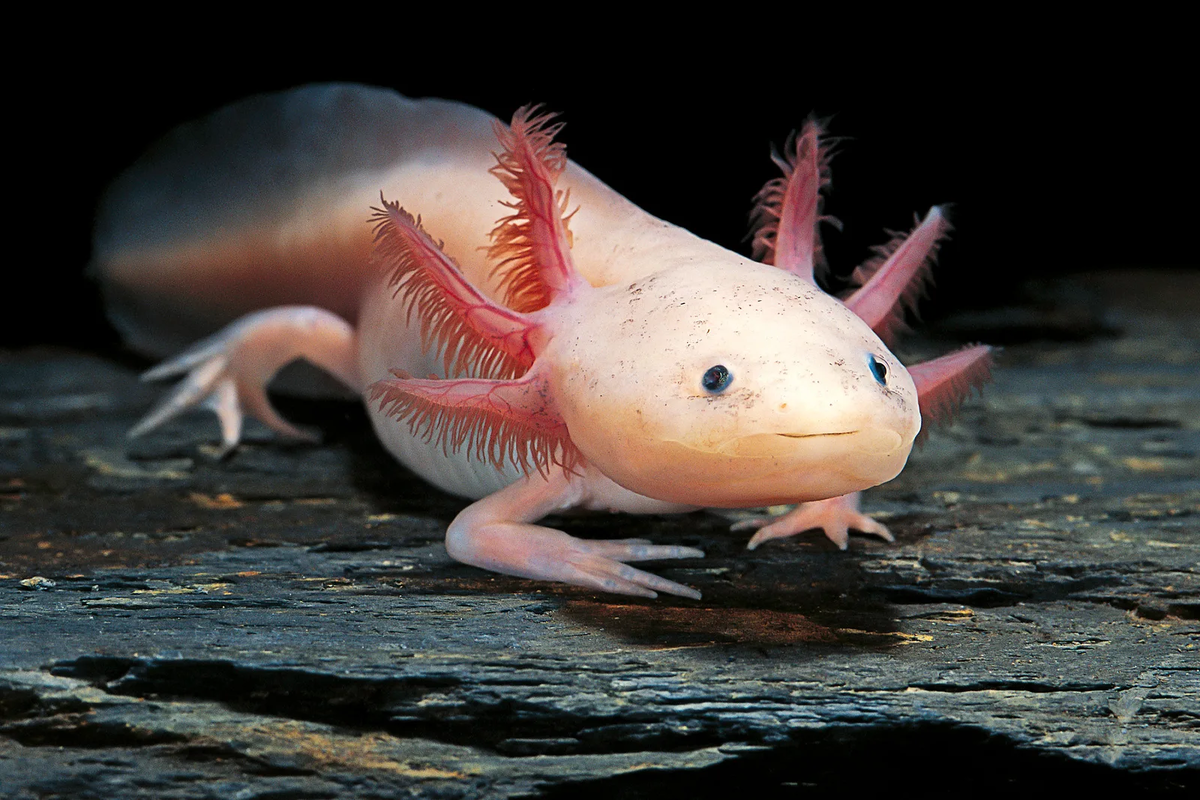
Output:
x=716 y=379
x=878 y=369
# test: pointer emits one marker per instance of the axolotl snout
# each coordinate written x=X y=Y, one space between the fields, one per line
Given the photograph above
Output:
x=579 y=353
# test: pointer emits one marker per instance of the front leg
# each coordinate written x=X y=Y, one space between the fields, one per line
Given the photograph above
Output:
x=496 y=533
x=835 y=516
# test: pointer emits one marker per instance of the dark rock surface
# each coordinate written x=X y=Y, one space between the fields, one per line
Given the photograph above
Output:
x=285 y=622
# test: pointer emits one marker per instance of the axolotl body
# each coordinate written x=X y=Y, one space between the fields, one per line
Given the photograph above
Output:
x=580 y=353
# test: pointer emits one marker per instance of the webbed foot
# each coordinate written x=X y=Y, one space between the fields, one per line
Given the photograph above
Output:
x=228 y=373
x=496 y=533
x=836 y=516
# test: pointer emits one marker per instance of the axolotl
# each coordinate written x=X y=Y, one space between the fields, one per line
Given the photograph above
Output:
x=535 y=343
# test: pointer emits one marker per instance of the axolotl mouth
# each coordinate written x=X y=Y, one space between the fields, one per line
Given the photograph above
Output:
x=786 y=467
x=871 y=441
x=769 y=468
x=811 y=435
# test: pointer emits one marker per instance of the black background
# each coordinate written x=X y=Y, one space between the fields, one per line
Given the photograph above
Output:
x=1058 y=156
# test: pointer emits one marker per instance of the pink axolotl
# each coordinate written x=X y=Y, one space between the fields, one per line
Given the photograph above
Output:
x=578 y=354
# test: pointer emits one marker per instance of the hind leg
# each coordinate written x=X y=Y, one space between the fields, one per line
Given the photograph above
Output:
x=228 y=372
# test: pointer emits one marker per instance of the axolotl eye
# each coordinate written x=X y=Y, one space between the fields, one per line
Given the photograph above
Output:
x=716 y=379
x=878 y=369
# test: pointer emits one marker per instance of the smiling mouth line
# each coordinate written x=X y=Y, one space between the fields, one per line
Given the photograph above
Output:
x=813 y=435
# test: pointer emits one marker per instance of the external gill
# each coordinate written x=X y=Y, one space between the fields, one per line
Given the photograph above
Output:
x=503 y=411
x=787 y=211
x=785 y=219
x=532 y=246
x=476 y=336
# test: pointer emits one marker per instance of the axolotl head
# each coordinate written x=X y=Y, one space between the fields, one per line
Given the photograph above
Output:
x=732 y=385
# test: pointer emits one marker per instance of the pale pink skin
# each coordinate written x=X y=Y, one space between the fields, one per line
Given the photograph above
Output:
x=284 y=263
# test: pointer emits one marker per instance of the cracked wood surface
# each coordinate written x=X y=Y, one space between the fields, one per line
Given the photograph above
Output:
x=285 y=622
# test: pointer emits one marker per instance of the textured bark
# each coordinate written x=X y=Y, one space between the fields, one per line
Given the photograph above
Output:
x=285 y=622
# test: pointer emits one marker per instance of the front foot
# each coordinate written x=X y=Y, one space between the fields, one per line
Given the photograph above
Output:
x=496 y=533
x=836 y=516
x=533 y=551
